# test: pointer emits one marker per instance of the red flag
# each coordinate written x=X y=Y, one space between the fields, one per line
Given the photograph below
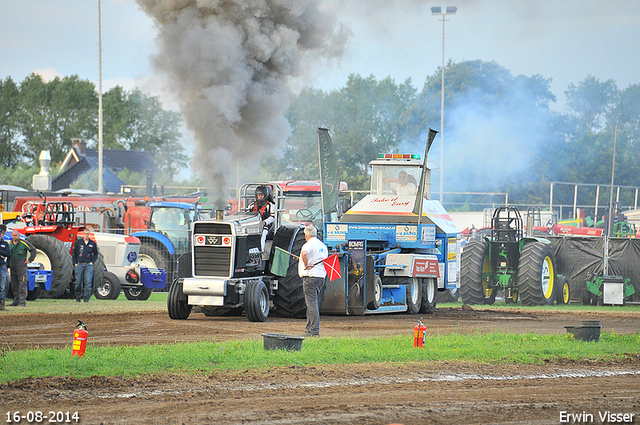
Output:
x=332 y=266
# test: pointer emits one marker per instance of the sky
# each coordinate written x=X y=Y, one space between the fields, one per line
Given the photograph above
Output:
x=565 y=41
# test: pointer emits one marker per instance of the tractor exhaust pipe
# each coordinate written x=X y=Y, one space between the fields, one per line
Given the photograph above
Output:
x=529 y=225
x=219 y=215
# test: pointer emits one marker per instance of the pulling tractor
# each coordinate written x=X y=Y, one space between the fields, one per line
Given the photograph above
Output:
x=521 y=267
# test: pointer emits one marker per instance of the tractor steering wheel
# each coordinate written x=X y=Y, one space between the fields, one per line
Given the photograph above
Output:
x=305 y=213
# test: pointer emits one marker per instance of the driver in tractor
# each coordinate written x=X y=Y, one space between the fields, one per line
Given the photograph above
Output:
x=263 y=205
x=403 y=185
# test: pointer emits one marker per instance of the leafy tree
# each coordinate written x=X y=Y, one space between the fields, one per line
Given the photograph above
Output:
x=591 y=102
x=364 y=118
x=10 y=144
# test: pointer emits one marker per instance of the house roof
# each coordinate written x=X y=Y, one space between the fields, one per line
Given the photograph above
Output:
x=118 y=159
x=76 y=164
x=110 y=181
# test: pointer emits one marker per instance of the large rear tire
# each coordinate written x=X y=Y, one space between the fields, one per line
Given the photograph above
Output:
x=256 y=301
x=109 y=289
x=54 y=256
x=414 y=294
x=429 y=292
x=177 y=305
x=289 y=297
x=475 y=269
x=537 y=274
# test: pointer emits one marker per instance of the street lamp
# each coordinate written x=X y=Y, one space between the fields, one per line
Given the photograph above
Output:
x=451 y=10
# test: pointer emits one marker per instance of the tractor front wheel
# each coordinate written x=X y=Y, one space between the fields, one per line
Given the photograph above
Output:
x=537 y=274
x=137 y=293
x=563 y=292
x=109 y=289
x=177 y=305
x=256 y=301
x=475 y=269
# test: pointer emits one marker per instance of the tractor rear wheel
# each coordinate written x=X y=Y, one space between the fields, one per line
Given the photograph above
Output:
x=537 y=274
x=475 y=269
x=54 y=256
x=429 y=292
x=289 y=297
x=414 y=294
x=177 y=305
x=256 y=301
x=563 y=291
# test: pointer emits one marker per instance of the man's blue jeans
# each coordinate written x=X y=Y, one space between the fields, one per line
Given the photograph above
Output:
x=84 y=277
x=3 y=282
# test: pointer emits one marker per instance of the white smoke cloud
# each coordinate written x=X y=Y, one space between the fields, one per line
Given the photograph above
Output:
x=228 y=63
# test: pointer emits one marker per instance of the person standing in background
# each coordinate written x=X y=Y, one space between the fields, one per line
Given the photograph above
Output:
x=85 y=252
x=18 y=263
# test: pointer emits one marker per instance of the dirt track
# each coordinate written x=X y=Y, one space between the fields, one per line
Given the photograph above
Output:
x=351 y=394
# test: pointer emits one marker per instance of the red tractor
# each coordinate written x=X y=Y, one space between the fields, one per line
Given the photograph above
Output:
x=51 y=228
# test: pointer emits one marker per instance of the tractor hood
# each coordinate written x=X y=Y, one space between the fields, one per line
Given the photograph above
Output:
x=399 y=209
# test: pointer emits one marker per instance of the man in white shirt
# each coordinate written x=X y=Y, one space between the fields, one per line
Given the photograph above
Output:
x=311 y=270
x=402 y=185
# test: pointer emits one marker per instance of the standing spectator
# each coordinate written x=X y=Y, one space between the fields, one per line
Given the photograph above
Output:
x=18 y=263
x=5 y=252
x=312 y=271
x=85 y=252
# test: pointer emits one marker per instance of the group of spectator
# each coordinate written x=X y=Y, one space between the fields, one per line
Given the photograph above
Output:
x=19 y=252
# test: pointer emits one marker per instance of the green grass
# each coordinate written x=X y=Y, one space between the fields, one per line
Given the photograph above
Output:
x=128 y=361
x=158 y=302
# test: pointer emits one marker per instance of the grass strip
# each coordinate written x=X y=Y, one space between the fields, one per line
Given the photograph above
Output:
x=131 y=361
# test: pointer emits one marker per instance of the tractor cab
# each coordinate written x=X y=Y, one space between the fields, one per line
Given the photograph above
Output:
x=390 y=170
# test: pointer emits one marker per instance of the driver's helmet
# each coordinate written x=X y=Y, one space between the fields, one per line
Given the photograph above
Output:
x=265 y=191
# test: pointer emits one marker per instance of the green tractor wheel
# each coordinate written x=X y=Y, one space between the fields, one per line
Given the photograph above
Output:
x=563 y=292
x=537 y=274
x=475 y=270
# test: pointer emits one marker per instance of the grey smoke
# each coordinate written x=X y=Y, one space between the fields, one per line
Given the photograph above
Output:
x=228 y=63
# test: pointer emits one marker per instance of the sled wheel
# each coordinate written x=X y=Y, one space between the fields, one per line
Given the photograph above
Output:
x=414 y=294
x=429 y=292
x=377 y=293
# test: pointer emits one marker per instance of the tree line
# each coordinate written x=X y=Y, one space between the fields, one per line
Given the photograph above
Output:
x=500 y=132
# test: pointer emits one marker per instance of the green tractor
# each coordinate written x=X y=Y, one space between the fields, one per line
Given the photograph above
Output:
x=521 y=267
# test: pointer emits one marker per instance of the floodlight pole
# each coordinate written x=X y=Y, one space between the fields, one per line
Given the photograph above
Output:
x=450 y=10
x=100 y=141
